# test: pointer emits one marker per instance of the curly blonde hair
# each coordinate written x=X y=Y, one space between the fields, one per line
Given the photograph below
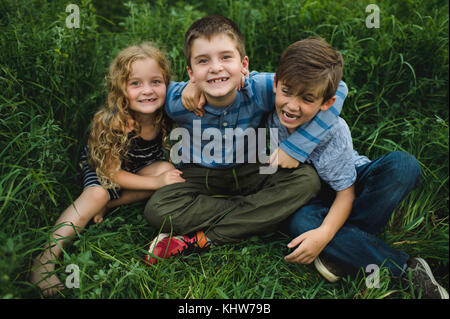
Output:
x=109 y=139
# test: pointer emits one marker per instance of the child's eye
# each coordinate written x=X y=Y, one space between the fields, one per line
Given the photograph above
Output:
x=308 y=100
x=156 y=82
x=202 y=61
x=285 y=91
x=134 y=83
x=225 y=57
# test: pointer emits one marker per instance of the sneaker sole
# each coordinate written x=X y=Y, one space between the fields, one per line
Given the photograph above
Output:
x=151 y=248
x=442 y=291
x=324 y=271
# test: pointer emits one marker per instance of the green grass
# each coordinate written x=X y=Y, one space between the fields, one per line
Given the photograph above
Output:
x=52 y=83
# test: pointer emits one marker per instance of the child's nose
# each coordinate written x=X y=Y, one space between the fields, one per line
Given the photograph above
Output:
x=148 y=89
x=216 y=66
x=293 y=105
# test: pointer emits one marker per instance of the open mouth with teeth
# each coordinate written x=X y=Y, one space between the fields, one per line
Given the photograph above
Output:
x=217 y=80
x=147 y=100
x=289 y=117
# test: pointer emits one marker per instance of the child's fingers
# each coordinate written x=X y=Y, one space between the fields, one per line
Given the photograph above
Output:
x=201 y=101
x=176 y=179
x=178 y=171
x=242 y=84
x=176 y=176
x=296 y=241
x=273 y=159
x=198 y=112
x=179 y=178
x=297 y=256
x=186 y=101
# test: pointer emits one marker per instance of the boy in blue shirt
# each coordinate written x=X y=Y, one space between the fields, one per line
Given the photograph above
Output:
x=256 y=203
x=336 y=230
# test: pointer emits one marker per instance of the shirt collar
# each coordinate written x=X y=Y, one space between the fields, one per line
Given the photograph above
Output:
x=216 y=110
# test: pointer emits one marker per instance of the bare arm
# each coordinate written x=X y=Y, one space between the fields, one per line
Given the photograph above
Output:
x=127 y=180
x=193 y=99
x=312 y=242
x=339 y=211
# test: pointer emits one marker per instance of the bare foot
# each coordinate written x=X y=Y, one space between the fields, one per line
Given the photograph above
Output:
x=50 y=285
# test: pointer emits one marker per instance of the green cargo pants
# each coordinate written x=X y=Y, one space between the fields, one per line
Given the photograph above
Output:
x=256 y=203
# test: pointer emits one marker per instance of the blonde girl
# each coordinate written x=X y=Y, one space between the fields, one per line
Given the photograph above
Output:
x=123 y=161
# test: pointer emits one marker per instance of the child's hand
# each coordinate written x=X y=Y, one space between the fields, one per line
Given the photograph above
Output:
x=310 y=244
x=169 y=177
x=242 y=83
x=245 y=74
x=193 y=99
x=284 y=159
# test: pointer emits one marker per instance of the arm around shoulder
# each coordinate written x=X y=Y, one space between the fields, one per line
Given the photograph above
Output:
x=174 y=105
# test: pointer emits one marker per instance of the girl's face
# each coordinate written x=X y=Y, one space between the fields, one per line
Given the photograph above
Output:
x=146 y=88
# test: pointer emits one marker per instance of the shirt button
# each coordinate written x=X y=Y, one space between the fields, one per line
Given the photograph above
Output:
x=225 y=113
x=225 y=124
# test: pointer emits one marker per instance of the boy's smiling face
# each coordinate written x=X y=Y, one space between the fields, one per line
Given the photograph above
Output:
x=294 y=110
x=217 y=68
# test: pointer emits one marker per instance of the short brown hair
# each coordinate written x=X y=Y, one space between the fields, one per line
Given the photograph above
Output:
x=311 y=64
x=209 y=26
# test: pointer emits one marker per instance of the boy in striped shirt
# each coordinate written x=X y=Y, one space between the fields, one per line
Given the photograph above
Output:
x=337 y=229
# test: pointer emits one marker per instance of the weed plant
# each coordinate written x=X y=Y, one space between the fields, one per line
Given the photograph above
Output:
x=52 y=81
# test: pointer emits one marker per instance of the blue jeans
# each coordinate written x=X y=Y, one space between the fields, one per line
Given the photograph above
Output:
x=379 y=187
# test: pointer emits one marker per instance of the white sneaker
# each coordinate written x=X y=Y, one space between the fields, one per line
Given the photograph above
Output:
x=326 y=270
x=423 y=280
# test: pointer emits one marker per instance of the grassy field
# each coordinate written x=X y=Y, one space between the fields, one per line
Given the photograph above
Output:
x=51 y=80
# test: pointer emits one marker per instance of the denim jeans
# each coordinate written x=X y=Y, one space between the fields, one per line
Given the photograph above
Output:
x=380 y=186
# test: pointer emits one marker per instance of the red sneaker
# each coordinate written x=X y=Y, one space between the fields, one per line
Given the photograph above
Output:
x=164 y=246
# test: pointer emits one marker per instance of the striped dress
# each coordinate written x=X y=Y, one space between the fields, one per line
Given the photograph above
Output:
x=141 y=153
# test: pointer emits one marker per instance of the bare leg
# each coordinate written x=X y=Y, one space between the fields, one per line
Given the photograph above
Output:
x=76 y=216
x=127 y=197
x=92 y=203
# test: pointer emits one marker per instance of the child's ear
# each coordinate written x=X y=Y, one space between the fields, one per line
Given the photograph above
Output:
x=325 y=106
x=244 y=68
x=191 y=74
